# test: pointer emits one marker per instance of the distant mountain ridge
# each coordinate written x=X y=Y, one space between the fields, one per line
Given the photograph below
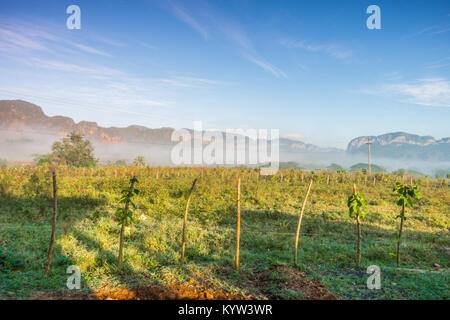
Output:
x=18 y=115
x=24 y=123
x=402 y=145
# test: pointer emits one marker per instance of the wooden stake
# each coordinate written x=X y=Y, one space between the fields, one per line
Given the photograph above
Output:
x=358 y=228
x=300 y=222
x=399 y=240
x=238 y=229
x=55 y=211
x=183 y=244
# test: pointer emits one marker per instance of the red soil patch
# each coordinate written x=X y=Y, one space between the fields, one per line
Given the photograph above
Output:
x=191 y=290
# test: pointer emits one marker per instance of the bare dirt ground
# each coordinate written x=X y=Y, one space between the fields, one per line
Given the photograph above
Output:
x=296 y=281
x=189 y=291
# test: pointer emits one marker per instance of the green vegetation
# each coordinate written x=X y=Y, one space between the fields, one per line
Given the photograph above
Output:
x=365 y=166
x=443 y=173
x=414 y=173
x=288 y=165
x=125 y=216
x=406 y=195
x=139 y=162
x=399 y=172
x=88 y=230
x=117 y=163
x=73 y=151
x=356 y=205
x=3 y=163
x=335 y=167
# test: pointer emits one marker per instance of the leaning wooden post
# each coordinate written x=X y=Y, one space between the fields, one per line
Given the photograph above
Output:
x=300 y=222
x=238 y=229
x=55 y=211
x=399 y=241
x=358 y=227
x=183 y=244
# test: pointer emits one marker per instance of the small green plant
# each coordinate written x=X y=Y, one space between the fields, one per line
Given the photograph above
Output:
x=139 y=162
x=356 y=205
x=406 y=195
x=188 y=201
x=125 y=216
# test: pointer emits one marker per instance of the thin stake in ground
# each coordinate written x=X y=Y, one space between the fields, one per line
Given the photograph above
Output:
x=238 y=229
x=55 y=212
x=300 y=223
x=358 y=229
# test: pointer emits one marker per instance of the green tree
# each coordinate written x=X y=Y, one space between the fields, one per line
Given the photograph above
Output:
x=139 y=162
x=406 y=194
x=335 y=167
x=120 y=163
x=73 y=150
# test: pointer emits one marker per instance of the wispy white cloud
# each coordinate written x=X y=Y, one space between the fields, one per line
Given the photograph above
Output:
x=89 y=49
x=427 y=92
x=147 y=45
x=431 y=30
x=431 y=92
x=441 y=63
x=233 y=32
x=70 y=67
x=43 y=58
x=12 y=41
x=22 y=38
x=329 y=49
x=187 y=18
x=110 y=42
x=188 y=82
x=266 y=66
x=226 y=27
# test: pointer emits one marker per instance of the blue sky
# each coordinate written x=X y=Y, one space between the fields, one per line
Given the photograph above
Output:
x=309 y=68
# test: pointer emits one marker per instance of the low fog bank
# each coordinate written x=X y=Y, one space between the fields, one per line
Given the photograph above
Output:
x=22 y=146
x=321 y=160
x=155 y=155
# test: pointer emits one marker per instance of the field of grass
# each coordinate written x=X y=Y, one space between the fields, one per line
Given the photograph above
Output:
x=87 y=233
